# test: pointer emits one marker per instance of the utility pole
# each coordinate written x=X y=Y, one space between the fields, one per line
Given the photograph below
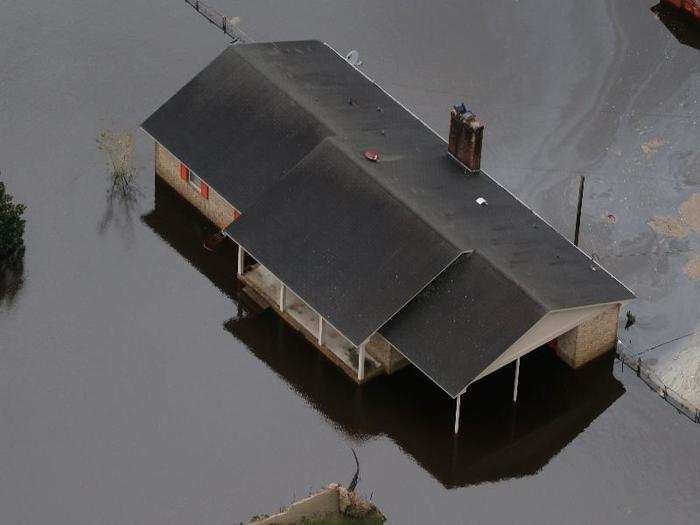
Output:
x=578 y=209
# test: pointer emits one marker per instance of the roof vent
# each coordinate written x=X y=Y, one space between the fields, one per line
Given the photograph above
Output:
x=353 y=57
x=482 y=202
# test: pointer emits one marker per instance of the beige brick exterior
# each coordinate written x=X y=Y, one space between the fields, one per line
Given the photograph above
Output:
x=215 y=208
x=590 y=339
x=385 y=353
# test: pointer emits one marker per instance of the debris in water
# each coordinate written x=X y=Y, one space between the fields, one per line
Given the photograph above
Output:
x=213 y=241
x=652 y=146
x=356 y=477
x=690 y=212
x=669 y=226
x=692 y=268
x=371 y=154
x=334 y=504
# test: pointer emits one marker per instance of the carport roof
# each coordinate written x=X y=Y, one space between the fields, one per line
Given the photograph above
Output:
x=462 y=322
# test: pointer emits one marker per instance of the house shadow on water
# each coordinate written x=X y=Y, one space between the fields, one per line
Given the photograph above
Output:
x=681 y=25
x=184 y=228
x=497 y=440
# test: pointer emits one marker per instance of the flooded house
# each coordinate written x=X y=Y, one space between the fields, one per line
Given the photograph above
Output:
x=380 y=242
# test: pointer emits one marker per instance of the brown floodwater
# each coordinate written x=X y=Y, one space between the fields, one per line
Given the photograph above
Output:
x=138 y=386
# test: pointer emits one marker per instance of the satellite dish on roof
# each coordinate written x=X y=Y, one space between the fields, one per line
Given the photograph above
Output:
x=353 y=57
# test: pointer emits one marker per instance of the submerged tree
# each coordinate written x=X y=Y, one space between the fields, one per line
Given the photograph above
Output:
x=11 y=228
x=119 y=148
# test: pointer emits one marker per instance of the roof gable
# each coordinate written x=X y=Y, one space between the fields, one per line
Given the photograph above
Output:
x=462 y=322
x=236 y=129
x=337 y=239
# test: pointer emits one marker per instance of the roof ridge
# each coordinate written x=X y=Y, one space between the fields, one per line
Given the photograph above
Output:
x=344 y=147
x=292 y=93
x=507 y=275
x=532 y=210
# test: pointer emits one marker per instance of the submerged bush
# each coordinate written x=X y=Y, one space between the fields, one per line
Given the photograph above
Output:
x=11 y=228
x=119 y=148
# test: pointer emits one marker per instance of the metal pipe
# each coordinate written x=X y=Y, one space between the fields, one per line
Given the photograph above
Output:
x=457 y=410
x=241 y=260
x=361 y=363
x=283 y=296
x=578 y=209
x=515 y=382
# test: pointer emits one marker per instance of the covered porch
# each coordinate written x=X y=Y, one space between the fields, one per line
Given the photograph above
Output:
x=361 y=363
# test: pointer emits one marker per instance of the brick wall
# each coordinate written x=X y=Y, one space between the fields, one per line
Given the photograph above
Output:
x=385 y=353
x=215 y=208
x=590 y=339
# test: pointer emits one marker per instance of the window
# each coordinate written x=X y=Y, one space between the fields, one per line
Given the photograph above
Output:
x=194 y=180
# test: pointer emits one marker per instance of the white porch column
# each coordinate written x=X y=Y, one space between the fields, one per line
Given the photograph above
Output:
x=515 y=381
x=283 y=296
x=241 y=258
x=457 y=408
x=320 y=330
x=361 y=362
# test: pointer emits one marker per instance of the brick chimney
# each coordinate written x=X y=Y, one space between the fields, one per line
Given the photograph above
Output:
x=466 y=137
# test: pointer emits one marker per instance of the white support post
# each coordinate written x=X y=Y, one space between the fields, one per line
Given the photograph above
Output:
x=515 y=382
x=241 y=259
x=361 y=363
x=283 y=296
x=457 y=409
x=320 y=330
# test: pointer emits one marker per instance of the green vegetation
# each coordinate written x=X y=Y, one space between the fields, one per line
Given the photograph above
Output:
x=11 y=229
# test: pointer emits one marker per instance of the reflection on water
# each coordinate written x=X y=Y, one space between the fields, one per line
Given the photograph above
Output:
x=11 y=279
x=120 y=206
x=681 y=25
x=182 y=226
x=496 y=441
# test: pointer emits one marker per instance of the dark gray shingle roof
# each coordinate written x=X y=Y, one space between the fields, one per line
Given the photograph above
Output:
x=462 y=322
x=340 y=241
x=257 y=117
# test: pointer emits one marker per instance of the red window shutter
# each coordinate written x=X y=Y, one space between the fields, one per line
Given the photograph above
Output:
x=184 y=172
x=204 y=189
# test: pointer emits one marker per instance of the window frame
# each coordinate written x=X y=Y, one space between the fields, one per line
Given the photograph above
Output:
x=194 y=181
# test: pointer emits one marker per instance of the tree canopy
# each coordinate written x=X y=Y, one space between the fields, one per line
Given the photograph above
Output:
x=11 y=226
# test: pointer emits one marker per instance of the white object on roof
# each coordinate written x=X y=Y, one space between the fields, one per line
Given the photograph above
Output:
x=354 y=58
x=481 y=201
